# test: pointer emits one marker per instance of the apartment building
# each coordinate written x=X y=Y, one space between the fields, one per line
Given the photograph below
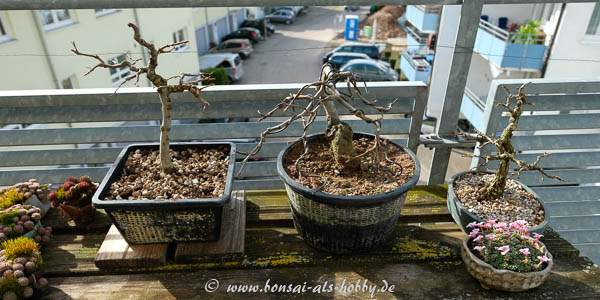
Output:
x=39 y=43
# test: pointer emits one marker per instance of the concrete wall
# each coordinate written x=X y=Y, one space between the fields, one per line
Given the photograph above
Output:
x=572 y=44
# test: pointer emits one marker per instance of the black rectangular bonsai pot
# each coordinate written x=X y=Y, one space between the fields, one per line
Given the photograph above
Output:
x=165 y=221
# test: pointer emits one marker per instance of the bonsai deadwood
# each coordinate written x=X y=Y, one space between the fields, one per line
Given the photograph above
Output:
x=163 y=88
x=506 y=151
x=339 y=133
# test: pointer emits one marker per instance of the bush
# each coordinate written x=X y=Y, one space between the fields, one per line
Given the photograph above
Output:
x=219 y=74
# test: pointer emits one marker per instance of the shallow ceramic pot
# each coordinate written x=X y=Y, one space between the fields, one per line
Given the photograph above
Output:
x=503 y=280
x=463 y=217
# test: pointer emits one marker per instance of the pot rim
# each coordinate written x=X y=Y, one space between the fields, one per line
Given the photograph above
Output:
x=527 y=188
x=353 y=201
x=166 y=203
x=542 y=272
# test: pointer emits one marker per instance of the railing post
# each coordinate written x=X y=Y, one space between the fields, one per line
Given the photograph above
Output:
x=455 y=82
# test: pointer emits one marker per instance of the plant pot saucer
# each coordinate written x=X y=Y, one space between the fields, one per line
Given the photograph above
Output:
x=84 y=214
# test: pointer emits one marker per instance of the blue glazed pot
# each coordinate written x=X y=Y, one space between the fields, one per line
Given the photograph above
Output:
x=463 y=217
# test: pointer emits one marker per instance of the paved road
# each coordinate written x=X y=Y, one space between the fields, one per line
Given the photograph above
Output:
x=293 y=53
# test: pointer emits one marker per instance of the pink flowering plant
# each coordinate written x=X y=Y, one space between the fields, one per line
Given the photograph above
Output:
x=507 y=246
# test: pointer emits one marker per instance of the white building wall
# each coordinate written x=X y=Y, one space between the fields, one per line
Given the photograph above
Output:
x=574 y=54
x=516 y=13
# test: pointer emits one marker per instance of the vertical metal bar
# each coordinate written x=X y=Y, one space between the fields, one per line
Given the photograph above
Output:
x=416 y=120
x=470 y=14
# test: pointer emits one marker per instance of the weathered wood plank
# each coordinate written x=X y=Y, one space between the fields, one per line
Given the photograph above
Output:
x=115 y=252
x=552 y=86
x=411 y=281
x=149 y=133
x=54 y=176
x=231 y=241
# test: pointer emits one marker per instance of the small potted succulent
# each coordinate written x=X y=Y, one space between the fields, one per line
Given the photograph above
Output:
x=474 y=196
x=161 y=193
x=74 y=198
x=506 y=257
x=21 y=268
x=23 y=220
x=30 y=192
x=346 y=189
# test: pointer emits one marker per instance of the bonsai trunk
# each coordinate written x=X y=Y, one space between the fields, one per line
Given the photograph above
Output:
x=166 y=164
x=340 y=135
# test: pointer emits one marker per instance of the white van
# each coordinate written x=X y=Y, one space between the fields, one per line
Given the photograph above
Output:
x=232 y=62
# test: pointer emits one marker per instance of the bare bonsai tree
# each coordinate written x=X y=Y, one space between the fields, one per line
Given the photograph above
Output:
x=506 y=151
x=339 y=133
x=163 y=88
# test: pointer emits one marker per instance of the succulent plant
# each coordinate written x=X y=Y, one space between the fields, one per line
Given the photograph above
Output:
x=19 y=220
x=20 y=192
x=20 y=268
x=74 y=192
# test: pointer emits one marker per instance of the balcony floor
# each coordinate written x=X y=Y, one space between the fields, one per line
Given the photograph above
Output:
x=421 y=261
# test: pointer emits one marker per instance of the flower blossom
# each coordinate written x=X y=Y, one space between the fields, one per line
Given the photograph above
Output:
x=477 y=239
x=536 y=237
x=472 y=224
x=525 y=251
x=500 y=225
x=503 y=250
x=491 y=237
x=479 y=248
x=543 y=258
x=474 y=232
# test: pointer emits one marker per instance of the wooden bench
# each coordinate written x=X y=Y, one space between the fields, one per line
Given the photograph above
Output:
x=422 y=259
x=81 y=132
x=564 y=121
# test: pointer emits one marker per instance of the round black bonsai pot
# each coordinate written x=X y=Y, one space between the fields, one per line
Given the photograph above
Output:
x=463 y=217
x=344 y=224
x=165 y=221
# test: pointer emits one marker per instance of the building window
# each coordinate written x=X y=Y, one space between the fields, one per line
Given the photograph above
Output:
x=179 y=36
x=105 y=11
x=56 y=18
x=594 y=25
x=118 y=75
x=3 y=31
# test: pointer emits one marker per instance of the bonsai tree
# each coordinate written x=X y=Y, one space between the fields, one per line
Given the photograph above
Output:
x=506 y=152
x=340 y=134
x=161 y=84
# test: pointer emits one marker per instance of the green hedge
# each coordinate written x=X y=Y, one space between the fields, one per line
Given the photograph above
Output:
x=219 y=75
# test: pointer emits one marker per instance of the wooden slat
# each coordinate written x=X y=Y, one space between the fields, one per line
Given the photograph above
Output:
x=257 y=169
x=534 y=178
x=574 y=208
x=115 y=252
x=181 y=111
x=563 y=102
x=58 y=157
x=581 y=236
x=179 y=132
x=552 y=86
x=557 y=141
x=572 y=193
x=575 y=222
x=231 y=241
x=51 y=175
x=553 y=122
x=258 y=184
x=214 y=94
x=559 y=160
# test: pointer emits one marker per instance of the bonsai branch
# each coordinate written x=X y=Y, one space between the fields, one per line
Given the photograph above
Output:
x=505 y=150
x=340 y=134
x=159 y=82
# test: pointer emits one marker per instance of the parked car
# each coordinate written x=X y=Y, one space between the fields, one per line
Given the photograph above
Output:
x=232 y=62
x=369 y=49
x=282 y=16
x=351 y=7
x=242 y=34
x=258 y=24
x=371 y=70
x=243 y=47
x=295 y=9
x=337 y=60
x=252 y=29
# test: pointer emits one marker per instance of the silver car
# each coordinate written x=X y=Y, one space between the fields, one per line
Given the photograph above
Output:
x=282 y=16
x=371 y=70
x=243 y=47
